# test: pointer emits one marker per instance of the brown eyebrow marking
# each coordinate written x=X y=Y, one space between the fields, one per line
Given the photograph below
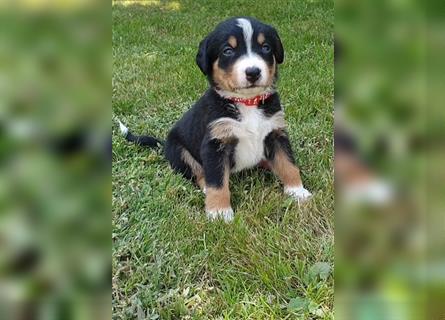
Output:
x=232 y=41
x=261 y=38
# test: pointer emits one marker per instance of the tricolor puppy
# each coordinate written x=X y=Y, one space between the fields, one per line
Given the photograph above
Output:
x=238 y=123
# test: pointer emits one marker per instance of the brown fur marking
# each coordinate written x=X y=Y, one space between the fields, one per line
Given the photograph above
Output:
x=261 y=38
x=196 y=168
x=280 y=132
x=224 y=130
x=232 y=41
x=288 y=173
x=224 y=79
x=219 y=198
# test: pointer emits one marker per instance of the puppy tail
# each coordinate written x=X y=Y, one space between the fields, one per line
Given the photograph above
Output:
x=146 y=141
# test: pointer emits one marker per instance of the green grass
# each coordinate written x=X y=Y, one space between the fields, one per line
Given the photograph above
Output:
x=275 y=260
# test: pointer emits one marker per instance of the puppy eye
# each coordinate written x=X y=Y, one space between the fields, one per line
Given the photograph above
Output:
x=228 y=51
x=265 y=48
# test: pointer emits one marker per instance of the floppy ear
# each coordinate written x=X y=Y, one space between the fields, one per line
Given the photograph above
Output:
x=202 y=59
x=279 y=50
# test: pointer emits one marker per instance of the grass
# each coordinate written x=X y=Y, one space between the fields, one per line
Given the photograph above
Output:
x=275 y=260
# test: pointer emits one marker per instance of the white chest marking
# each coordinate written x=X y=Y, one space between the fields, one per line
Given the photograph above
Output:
x=253 y=128
x=250 y=130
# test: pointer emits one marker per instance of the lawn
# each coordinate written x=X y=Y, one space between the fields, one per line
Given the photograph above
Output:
x=275 y=260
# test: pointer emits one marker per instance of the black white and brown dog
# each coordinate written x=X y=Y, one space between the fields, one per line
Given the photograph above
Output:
x=239 y=122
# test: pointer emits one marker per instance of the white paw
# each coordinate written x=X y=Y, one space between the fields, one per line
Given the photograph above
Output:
x=226 y=214
x=298 y=193
x=377 y=192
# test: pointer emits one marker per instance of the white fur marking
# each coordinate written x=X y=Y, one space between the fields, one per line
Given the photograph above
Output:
x=251 y=132
x=299 y=193
x=229 y=128
x=123 y=128
x=372 y=192
x=250 y=59
x=247 y=32
x=226 y=214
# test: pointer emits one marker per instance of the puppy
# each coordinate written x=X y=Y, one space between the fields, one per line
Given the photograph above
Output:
x=238 y=123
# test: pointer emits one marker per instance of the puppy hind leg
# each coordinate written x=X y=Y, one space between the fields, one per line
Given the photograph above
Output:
x=173 y=153
x=195 y=167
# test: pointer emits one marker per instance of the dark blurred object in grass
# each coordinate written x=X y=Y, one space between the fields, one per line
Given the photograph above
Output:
x=55 y=188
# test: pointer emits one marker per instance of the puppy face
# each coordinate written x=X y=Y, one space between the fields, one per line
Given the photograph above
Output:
x=240 y=57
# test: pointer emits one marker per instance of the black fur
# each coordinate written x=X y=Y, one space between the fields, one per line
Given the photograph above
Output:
x=192 y=132
x=145 y=141
x=275 y=141
x=210 y=48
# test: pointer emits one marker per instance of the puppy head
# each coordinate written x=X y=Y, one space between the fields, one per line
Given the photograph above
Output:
x=240 y=57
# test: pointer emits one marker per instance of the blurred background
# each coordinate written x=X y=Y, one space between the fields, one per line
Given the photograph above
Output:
x=55 y=151
x=389 y=126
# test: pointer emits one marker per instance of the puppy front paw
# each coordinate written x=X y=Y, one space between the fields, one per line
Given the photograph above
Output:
x=298 y=193
x=226 y=214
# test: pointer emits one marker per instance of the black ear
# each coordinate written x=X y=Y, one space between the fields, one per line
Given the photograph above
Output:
x=202 y=59
x=279 y=50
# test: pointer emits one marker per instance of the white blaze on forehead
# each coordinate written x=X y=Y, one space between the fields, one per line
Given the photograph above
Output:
x=247 y=32
x=250 y=59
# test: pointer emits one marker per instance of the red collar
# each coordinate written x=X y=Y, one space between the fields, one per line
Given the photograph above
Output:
x=252 y=102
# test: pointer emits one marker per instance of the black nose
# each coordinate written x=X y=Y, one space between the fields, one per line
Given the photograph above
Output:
x=252 y=74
